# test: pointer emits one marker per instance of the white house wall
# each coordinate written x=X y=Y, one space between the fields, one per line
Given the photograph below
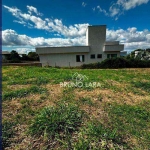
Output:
x=62 y=60
x=63 y=50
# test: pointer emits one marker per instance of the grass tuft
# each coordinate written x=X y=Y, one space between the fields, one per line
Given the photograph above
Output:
x=63 y=119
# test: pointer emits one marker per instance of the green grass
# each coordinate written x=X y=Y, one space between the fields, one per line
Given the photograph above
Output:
x=8 y=133
x=96 y=136
x=113 y=116
x=63 y=119
x=131 y=120
x=23 y=92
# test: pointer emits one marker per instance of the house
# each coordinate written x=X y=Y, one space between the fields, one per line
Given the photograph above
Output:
x=5 y=56
x=96 y=49
x=142 y=54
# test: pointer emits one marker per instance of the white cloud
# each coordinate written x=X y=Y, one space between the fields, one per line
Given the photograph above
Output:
x=84 y=4
x=74 y=34
x=11 y=38
x=102 y=10
x=50 y=25
x=131 y=37
x=33 y=9
x=132 y=3
x=24 y=50
x=118 y=8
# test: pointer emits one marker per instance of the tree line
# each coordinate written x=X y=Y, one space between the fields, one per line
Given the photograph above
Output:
x=14 y=57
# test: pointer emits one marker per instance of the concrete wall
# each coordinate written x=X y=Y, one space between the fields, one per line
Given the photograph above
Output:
x=96 y=36
x=62 y=60
x=105 y=54
x=63 y=50
x=111 y=48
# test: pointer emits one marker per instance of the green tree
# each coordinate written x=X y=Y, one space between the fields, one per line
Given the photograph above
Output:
x=14 y=57
x=33 y=56
x=24 y=57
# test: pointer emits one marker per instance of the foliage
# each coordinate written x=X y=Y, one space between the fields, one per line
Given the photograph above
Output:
x=25 y=57
x=33 y=56
x=14 y=57
x=119 y=62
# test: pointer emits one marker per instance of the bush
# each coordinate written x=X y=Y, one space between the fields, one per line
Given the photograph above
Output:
x=118 y=62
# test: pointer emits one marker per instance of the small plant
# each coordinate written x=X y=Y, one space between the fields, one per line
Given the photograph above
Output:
x=7 y=133
x=63 y=119
x=86 y=100
x=82 y=144
x=100 y=97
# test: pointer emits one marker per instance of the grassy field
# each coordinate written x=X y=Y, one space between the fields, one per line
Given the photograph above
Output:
x=39 y=114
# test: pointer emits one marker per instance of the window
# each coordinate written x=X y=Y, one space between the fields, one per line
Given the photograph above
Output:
x=111 y=55
x=108 y=55
x=99 y=55
x=92 y=56
x=79 y=58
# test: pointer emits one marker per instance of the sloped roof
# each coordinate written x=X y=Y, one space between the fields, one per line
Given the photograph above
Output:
x=5 y=52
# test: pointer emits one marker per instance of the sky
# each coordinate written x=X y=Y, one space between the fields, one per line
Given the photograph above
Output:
x=27 y=24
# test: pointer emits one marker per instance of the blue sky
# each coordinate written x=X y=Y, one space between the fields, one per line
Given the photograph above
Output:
x=27 y=24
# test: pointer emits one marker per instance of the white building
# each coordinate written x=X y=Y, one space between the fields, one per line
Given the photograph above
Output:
x=97 y=49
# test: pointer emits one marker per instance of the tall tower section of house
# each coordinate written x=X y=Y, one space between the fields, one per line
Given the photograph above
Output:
x=96 y=37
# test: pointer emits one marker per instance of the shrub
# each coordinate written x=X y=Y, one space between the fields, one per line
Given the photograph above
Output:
x=118 y=62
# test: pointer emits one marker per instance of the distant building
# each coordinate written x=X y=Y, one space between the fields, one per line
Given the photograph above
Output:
x=5 y=55
x=142 y=54
x=97 y=49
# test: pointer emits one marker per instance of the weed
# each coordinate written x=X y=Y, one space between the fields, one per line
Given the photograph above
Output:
x=86 y=100
x=62 y=119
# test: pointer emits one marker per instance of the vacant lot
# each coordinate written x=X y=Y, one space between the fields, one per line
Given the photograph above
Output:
x=40 y=114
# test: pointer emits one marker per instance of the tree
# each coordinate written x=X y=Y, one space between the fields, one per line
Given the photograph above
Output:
x=33 y=56
x=14 y=57
x=24 y=57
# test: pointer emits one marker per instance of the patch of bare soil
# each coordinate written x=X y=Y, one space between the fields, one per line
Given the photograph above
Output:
x=111 y=96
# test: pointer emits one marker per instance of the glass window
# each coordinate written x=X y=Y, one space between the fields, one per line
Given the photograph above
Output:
x=108 y=56
x=79 y=58
x=92 y=56
x=111 y=55
x=99 y=55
